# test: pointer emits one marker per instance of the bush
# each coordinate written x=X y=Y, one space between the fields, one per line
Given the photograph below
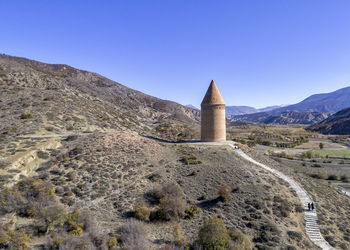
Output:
x=171 y=203
x=75 y=226
x=11 y=201
x=142 y=212
x=27 y=197
x=27 y=116
x=332 y=177
x=167 y=189
x=55 y=240
x=266 y=143
x=134 y=235
x=172 y=206
x=112 y=242
x=190 y=159
x=13 y=239
x=224 y=193
x=344 y=178
x=307 y=154
x=179 y=239
x=191 y=211
x=75 y=242
x=36 y=190
x=52 y=216
x=330 y=240
x=158 y=214
x=298 y=208
x=214 y=235
x=320 y=175
x=284 y=208
x=268 y=232
x=295 y=235
x=241 y=241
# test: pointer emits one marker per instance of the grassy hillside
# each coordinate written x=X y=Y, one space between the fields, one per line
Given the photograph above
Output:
x=108 y=176
x=82 y=166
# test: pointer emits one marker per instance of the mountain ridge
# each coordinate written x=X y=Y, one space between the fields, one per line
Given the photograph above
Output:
x=57 y=85
x=338 y=123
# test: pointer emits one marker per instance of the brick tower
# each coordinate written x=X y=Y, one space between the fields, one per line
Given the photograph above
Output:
x=213 y=121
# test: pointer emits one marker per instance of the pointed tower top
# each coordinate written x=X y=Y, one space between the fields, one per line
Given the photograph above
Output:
x=212 y=96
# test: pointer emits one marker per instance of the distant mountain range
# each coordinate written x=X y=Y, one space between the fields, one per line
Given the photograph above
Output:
x=325 y=103
x=309 y=111
x=242 y=110
x=312 y=110
x=286 y=117
x=339 y=123
x=245 y=110
x=191 y=106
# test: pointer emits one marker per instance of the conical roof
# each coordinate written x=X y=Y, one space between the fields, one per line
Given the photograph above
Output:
x=212 y=96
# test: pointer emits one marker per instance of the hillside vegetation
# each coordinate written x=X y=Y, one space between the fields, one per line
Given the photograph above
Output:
x=87 y=163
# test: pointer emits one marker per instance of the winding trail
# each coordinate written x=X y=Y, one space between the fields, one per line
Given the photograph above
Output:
x=312 y=227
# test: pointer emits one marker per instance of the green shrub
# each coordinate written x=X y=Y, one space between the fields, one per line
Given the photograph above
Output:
x=11 y=201
x=14 y=239
x=27 y=116
x=295 y=235
x=36 y=190
x=142 y=212
x=158 y=214
x=191 y=211
x=224 y=193
x=213 y=235
x=241 y=241
x=307 y=154
x=52 y=216
x=179 y=239
x=190 y=159
x=75 y=227
x=112 y=242
x=55 y=240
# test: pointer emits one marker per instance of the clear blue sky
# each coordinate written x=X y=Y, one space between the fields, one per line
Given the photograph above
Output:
x=259 y=53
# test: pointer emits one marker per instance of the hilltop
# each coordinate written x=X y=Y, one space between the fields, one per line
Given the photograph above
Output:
x=62 y=98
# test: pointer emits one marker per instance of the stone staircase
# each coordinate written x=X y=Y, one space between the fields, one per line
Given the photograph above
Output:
x=311 y=225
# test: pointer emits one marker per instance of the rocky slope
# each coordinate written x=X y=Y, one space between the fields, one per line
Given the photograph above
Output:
x=62 y=98
x=339 y=123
